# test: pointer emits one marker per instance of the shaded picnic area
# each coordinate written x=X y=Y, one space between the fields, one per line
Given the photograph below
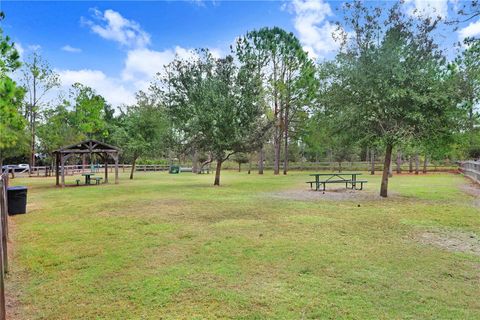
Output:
x=87 y=147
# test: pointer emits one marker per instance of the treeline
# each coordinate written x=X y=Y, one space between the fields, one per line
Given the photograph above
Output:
x=389 y=92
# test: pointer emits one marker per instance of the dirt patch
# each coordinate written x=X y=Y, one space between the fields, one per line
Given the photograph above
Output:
x=332 y=194
x=453 y=241
x=12 y=292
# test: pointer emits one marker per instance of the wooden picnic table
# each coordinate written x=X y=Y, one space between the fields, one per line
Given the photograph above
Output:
x=347 y=178
x=88 y=177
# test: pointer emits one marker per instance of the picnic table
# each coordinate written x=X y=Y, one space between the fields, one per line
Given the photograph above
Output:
x=88 y=177
x=347 y=178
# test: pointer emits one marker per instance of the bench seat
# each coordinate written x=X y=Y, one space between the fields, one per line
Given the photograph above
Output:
x=346 y=181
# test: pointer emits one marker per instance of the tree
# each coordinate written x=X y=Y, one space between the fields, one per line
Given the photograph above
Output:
x=143 y=129
x=89 y=111
x=12 y=123
x=288 y=76
x=214 y=105
x=240 y=158
x=384 y=82
x=38 y=80
x=58 y=128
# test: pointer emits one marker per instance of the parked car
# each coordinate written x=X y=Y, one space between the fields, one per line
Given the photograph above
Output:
x=17 y=168
x=23 y=166
x=6 y=167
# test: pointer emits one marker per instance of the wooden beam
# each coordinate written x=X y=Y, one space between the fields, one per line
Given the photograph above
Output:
x=62 y=166
x=105 y=158
x=87 y=151
x=115 y=158
x=57 y=168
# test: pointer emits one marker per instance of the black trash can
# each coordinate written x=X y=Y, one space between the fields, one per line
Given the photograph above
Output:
x=174 y=169
x=17 y=200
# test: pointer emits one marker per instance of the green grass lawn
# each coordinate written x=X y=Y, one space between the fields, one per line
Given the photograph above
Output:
x=174 y=247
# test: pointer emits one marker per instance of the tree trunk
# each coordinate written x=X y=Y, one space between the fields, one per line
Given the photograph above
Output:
x=276 y=160
x=285 y=161
x=372 y=159
x=32 y=146
x=261 y=155
x=410 y=164
x=417 y=163
x=217 y=173
x=133 y=167
x=399 y=162
x=332 y=164
x=425 y=164
x=390 y=173
x=386 y=168
x=195 y=162
x=339 y=166
x=277 y=133
x=239 y=167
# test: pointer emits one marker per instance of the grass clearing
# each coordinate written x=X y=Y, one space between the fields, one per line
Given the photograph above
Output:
x=174 y=247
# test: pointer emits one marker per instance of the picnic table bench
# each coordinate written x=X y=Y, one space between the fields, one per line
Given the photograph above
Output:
x=350 y=179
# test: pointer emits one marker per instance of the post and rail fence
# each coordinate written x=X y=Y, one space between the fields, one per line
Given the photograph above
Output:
x=70 y=170
x=471 y=169
x=3 y=241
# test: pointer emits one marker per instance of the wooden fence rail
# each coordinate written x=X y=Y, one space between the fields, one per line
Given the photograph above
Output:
x=44 y=171
x=471 y=169
x=3 y=241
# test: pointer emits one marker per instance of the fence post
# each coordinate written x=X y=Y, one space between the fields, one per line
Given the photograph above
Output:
x=3 y=240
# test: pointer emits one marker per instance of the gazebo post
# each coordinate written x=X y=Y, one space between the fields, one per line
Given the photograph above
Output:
x=62 y=163
x=57 y=168
x=116 y=167
x=106 y=167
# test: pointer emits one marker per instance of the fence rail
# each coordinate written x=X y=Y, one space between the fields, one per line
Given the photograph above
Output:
x=471 y=169
x=3 y=240
x=70 y=170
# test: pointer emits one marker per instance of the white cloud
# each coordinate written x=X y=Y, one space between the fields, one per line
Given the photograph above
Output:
x=69 y=48
x=314 y=32
x=428 y=8
x=34 y=47
x=19 y=48
x=111 y=25
x=472 y=30
x=114 y=90
x=141 y=65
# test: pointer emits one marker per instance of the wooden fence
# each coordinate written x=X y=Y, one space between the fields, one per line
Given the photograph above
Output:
x=471 y=169
x=70 y=170
x=3 y=241
x=45 y=171
x=349 y=166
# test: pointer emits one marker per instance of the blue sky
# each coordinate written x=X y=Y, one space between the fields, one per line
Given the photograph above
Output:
x=116 y=47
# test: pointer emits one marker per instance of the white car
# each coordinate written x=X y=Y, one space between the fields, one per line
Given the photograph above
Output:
x=22 y=167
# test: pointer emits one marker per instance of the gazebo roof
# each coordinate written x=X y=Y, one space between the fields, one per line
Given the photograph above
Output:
x=88 y=146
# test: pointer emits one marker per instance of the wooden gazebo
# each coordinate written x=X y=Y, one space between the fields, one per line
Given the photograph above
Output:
x=85 y=147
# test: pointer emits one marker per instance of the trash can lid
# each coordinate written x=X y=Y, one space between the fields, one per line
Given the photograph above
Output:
x=17 y=188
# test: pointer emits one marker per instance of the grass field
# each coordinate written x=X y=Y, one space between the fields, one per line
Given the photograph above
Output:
x=259 y=247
